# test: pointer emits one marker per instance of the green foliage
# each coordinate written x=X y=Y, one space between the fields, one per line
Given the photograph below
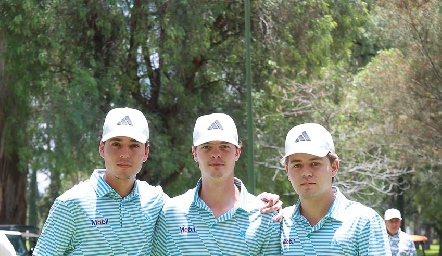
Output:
x=402 y=89
x=70 y=62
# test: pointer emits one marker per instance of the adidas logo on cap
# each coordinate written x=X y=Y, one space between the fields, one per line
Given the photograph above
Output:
x=303 y=137
x=125 y=121
x=215 y=125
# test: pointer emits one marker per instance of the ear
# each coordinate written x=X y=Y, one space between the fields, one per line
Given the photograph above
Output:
x=195 y=157
x=237 y=153
x=101 y=149
x=146 y=153
x=335 y=167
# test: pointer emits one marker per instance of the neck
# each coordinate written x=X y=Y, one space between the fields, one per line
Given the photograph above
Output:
x=391 y=234
x=220 y=197
x=122 y=187
x=315 y=209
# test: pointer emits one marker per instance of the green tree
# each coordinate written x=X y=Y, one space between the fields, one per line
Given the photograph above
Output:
x=173 y=60
x=18 y=79
x=406 y=96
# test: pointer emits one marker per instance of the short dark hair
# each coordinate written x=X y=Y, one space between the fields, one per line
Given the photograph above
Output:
x=332 y=157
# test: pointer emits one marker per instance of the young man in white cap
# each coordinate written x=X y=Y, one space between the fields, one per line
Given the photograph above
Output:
x=401 y=243
x=218 y=216
x=112 y=213
x=324 y=221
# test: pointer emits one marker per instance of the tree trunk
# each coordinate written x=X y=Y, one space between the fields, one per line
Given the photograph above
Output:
x=439 y=234
x=12 y=181
x=417 y=223
x=429 y=233
x=33 y=218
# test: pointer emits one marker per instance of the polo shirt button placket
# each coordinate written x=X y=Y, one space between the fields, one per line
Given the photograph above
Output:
x=121 y=214
x=308 y=231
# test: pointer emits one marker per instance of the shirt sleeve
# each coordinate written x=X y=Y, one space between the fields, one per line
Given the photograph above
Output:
x=58 y=231
x=160 y=236
x=411 y=246
x=272 y=245
x=373 y=237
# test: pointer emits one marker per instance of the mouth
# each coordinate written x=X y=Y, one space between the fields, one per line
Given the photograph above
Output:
x=124 y=165
x=307 y=183
x=216 y=164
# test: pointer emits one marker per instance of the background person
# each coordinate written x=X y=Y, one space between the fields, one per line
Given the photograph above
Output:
x=218 y=216
x=401 y=243
x=323 y=221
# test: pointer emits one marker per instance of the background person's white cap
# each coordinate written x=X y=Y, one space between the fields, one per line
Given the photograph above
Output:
x=308 y=138
x=126 y=122
x=392 y=214
x=215 y=127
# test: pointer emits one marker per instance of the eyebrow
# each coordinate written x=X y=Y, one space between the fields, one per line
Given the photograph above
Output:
x=310 y=159
x=212 y=143
x=118 y=139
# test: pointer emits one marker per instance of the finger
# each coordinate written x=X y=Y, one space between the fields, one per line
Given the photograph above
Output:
x=264 y=196
x=269 y=207
x=275 y=207
x=278 y=217
x=278 y=205
x=265 y=208
x=270 y=202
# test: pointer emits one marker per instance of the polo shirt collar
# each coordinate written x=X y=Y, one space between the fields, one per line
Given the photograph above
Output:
x=102 y=188
x=335 y=211
x=238 y=183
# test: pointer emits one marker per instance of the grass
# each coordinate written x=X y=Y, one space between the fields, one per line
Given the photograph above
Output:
x=433 y=251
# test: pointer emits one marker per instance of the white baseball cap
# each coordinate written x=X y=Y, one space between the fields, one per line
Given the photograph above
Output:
x=308 y=138
x=392 y=214
x=215 y=127
x=126 y=122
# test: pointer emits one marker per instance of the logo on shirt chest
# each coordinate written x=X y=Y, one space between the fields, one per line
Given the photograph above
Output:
x=288 y=241
x=186 y=229
x=99 y=222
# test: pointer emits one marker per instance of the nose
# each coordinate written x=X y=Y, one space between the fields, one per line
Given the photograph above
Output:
x=306 y=172
x=124 y=152
x=216 y=153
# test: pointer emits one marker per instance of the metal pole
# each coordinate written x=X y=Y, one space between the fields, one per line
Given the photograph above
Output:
x=250 y=150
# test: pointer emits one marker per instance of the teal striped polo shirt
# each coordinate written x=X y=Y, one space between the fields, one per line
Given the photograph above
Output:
x=93 y=219
x=348 y=228
x=187 y=226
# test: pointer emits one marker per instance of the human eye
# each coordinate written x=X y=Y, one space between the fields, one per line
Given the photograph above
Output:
x=115 y=144
x=225 y=146
x=316 y=163
x=296 y=165
x=205 y=147
x=136 y=145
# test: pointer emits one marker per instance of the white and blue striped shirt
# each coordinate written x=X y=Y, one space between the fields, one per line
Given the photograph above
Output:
x=348 y=228
x=402 y=244
x=187 y=226
x=92 y=219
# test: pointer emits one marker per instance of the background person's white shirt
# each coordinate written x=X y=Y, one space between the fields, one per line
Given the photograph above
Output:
x=6 y=248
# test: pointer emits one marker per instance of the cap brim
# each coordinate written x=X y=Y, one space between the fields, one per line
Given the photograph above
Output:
x=314 y=152
x=214 y=137
x=394 y=217
x=141 y=139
